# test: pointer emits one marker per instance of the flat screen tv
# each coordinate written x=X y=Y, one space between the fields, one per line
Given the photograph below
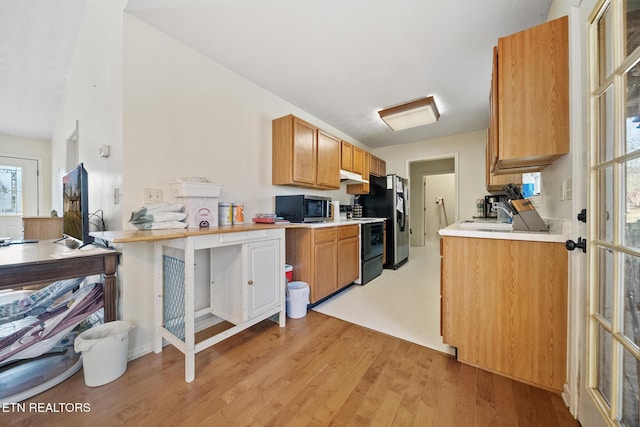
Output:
x=75 y=206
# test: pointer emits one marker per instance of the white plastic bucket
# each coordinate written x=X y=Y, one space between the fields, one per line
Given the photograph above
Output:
x=297 y=299
x=104 y=352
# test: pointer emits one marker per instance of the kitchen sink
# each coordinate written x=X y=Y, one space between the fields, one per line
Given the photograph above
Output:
x=485 y=224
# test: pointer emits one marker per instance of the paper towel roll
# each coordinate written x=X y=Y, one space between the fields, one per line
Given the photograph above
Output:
x=336 y=210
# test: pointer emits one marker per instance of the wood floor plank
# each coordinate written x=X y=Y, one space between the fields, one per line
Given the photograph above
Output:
x=317 y=371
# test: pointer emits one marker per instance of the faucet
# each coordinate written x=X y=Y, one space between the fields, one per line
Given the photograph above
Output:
x=499 y=206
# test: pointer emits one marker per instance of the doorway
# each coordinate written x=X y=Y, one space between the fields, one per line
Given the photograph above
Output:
x=439 y=193
x=19 y=193
x=430 y=169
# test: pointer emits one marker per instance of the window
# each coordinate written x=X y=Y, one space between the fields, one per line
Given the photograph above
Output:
x=10 y=190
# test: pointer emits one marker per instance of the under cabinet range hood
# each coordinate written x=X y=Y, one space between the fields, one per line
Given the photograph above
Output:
x=352 y=177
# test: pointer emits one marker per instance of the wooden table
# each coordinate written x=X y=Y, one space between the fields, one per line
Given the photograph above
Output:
x=32 y=263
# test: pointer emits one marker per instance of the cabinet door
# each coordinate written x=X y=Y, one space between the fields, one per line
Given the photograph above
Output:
x=377 y=166
x=533 y=96
x=328 y=174
x=346 y=156
x=361 y=188
x=263 y=281
x=348 y=261
x=325 y=261
x=358 y=158
x=503 y=311
x=304 y=152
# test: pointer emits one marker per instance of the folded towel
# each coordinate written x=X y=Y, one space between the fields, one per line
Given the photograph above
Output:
x=156 y=209
x=161 y=217
x=160 y=225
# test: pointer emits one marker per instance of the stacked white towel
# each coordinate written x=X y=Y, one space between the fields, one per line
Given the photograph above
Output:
x=160 y=216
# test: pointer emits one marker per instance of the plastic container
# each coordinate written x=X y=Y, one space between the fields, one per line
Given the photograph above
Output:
x=195 y=189
x=225 y=214
x=104 y=352
x=297 y=299
x=238 y=213
x=201 y=211
x=288 y=271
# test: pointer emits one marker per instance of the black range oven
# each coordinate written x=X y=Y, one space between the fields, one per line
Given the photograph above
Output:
x=372 y=248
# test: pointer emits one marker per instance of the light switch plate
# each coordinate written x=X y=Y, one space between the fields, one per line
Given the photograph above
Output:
x=152 y=195
x=105 y=150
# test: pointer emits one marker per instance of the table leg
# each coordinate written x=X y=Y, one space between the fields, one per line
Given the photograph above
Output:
x=158 y=288
x=189 y=310
x=110 y=288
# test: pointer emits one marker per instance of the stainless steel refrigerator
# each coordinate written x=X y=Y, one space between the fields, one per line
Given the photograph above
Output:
x=389 y=198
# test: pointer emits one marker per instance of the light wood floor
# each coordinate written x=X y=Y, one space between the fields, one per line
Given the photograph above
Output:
x=317 y=371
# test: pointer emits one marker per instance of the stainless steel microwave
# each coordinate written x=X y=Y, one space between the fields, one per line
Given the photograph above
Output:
x=304 y=208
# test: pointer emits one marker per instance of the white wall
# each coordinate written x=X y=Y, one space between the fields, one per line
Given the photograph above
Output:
x=32 y=149
x=185 y=115
x=470 y=148
x=93 y=96
x=439 y=215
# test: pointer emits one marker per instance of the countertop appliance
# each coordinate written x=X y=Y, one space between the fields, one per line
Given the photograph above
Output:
x=389 y=198
x=489 y=201
x=304 y=208
x=371 y=249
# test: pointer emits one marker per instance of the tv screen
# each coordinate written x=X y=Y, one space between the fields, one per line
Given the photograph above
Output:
x=75 y=206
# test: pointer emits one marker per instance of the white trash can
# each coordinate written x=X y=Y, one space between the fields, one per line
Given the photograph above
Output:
x=297 y=299
x=104 y=351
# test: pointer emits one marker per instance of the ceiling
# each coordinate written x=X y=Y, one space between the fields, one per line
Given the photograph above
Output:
x=341 y=61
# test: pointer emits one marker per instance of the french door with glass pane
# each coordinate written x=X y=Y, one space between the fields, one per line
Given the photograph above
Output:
x=614 y=250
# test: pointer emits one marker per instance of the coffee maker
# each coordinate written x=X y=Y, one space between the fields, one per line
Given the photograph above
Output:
x=489 y=200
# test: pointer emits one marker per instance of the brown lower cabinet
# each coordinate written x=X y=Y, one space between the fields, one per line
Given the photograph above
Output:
x=504 y=306
x=42 y=227
x=324 y=257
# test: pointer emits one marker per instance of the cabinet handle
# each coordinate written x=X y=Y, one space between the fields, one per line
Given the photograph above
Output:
x=250 y=282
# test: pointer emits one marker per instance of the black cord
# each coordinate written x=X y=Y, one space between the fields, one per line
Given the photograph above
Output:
x=101 y=225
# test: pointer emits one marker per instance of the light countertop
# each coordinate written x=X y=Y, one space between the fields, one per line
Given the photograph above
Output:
x=559 y=232
x=129 y=236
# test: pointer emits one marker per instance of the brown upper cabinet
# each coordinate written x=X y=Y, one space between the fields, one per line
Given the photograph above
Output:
x=377 y=166
x=529 y=125
x=364 y=187
x=358 y=160
x=303 y=155
x=346 y=156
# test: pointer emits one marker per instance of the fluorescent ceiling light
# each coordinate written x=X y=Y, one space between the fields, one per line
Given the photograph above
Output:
x=412 y=114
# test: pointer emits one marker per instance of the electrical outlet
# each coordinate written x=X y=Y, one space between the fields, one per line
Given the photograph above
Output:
x=152 y=195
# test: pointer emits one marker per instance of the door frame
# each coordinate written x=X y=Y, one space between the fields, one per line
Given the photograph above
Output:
x=456 y=162
x=39 y=177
